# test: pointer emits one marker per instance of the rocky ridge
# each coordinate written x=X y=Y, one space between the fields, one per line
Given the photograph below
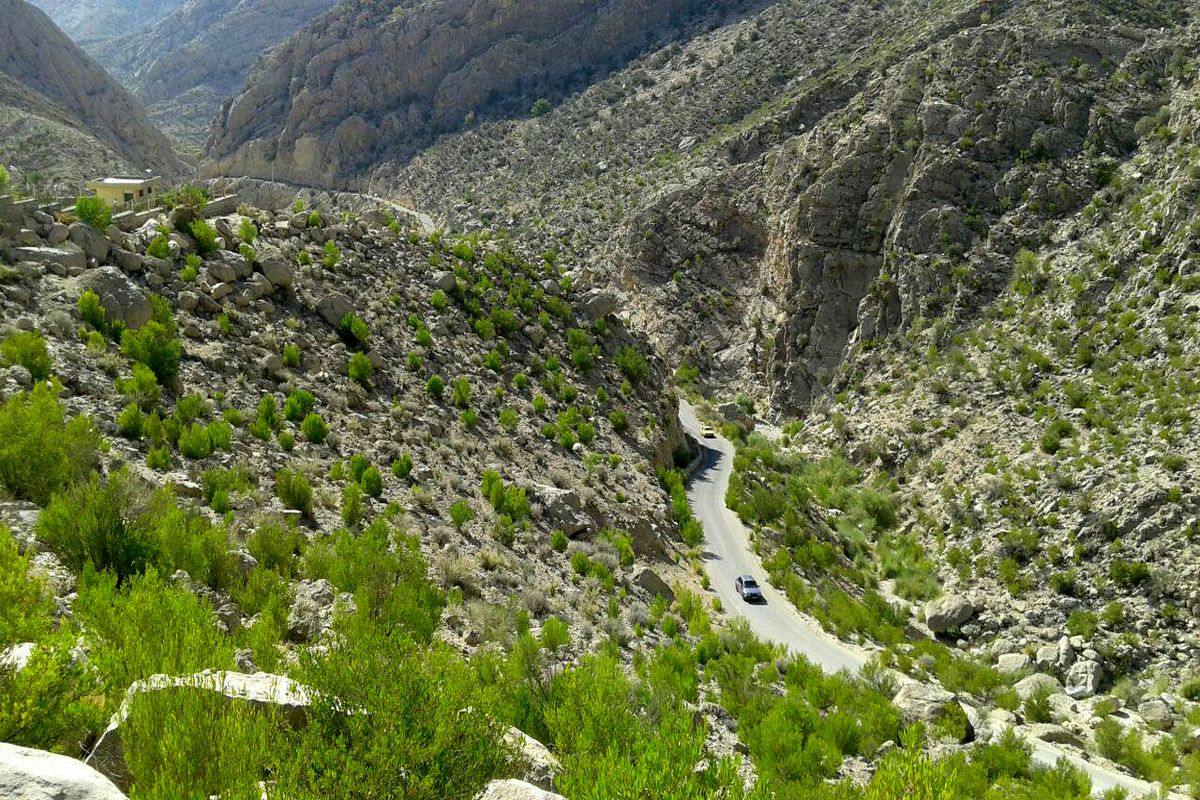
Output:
x=367 y=81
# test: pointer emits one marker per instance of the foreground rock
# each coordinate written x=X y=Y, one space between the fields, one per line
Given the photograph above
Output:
x=947 y=613
x=261 y=691
x=540 y=765
x=516 y=790
x=37 y=775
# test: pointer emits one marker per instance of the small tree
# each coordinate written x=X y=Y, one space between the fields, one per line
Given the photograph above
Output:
x=460 y=514
x=360 y=370
x=541 y=107
x=93 y=211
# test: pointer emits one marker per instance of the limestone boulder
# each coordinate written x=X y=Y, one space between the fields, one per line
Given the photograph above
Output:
x=948 y=613
x=122 y=299
x=27 y=774
x=516 y=790
x=538 y=764
x=333 y=307
x=92 y=242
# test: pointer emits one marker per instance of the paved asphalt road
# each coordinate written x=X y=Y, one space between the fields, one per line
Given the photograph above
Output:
x=727 y=554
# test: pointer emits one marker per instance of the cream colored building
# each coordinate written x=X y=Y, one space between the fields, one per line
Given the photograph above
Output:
x=127 y=194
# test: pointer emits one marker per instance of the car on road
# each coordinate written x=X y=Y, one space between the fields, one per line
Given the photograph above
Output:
x=708 y=432
x=748 y=588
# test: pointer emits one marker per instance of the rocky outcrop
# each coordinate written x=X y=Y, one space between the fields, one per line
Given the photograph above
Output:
x=948 y=613
x=66 y=85
x=27 y=774
x=364 y=83
x=538 y=765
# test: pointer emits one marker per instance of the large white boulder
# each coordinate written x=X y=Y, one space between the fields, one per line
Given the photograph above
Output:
x=516 y=790
x=27 y=774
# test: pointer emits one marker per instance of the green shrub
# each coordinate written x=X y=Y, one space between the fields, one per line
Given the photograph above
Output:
x=332 y=256
x=113 y=525
x=558 y=541
x=146 y=627
x=314 y=428
x=555 y=634
x=461 y=392
x=438 y=300
x=43 y=705
x=632 y=365
x=300 y=404
x=25 y=606
x=159 y=247
x=205 y=236
x=218 y=485
x=435 y=386
x=402 y=467
x=509 y=419
x=159 y=458
x=93 y=211
x=353 y=507
x=360 y=370
x=372 y=482
x=354 y=331
x=461 y=513
x=247 y=231
x=291 y=356
x=1128 y=574
x=141 y=389
x=27 y=349
x=294 y=491
x=156 y=346
x=41 y=452
x=1037 y=706
x=195 y=442
x=92 y=312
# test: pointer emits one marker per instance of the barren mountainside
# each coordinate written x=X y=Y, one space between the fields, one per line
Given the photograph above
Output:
x=93 y=22
x=185 y=65
x=73 y=92
x=374 y=80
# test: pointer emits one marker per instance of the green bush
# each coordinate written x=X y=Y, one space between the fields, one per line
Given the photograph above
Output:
x=43 y=705
x=41 y=452
x=247 y=231
x=27 y=349
x=360 y=370
x=402 y=467
x=159 y=247
x=92 y=312
x=632 y=365
x=372 y=482
x=25 y=606
x=141 y=389
x=354 y=331
x=461 y=513
x=294 y=491
x=314 y=428
x=113 y=525
x=353 y=507
x=93 y=211
x=205 y=236
x=1128 y=574
x=438 y=300
x=291 y=356
x=461 y=392
x=300 y=404
x=435 y=386
x=156 y=346
x=145 y=627
x=195 y=442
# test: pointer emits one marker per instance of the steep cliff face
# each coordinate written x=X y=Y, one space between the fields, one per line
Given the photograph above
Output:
x=186 y=64
x=91 y=22
x=906 y=202
x=62 y=85
x=370 y=81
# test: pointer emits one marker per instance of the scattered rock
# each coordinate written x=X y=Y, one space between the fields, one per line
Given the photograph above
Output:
x=1083 y=679
x=1028 y=686
x=649 y=580
x=948 y=613
x=333 y=307
x=122 y=299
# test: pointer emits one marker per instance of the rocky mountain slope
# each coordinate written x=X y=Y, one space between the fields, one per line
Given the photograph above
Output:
x=369 y=81
x=62 y=115
x=185 y=65
x=93 y=22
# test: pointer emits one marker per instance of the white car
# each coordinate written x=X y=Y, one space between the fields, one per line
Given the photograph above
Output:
x=708 y=432
x=749 y=589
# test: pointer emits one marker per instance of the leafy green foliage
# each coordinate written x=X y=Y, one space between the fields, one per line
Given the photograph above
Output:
x=360 y=369
x=93 y=211
x=25 y=609
x=155 y=345
x=27 y=349
x=314 y=428
x=205 y=236
x=41 y=451
x=294 y=491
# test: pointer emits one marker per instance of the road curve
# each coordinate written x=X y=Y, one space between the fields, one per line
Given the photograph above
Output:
x=727 y=554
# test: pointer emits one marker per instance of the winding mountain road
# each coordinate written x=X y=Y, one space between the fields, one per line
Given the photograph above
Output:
x=727 y=554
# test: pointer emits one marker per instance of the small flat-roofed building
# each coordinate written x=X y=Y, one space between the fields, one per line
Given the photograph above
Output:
x=127 y=194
